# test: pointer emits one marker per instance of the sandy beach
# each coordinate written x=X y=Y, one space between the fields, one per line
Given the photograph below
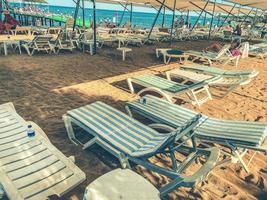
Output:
x=44 y=87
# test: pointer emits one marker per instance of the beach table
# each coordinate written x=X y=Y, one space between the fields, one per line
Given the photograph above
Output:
x=124 y=50
x=13 y=40
x=121 y=184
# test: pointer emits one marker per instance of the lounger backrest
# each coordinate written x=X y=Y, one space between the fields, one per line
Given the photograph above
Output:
x=218 y=71
x=251 y=134
x=42 y=41
x=224 y=51
x=164 y=84
x=119 y=130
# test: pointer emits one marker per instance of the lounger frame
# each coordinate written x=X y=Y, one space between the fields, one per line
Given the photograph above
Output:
x=191 y=93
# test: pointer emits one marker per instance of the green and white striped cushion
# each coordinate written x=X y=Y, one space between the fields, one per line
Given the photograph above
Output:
x=120 y=130
x=236 y=132
x=218 y=71
x=164 y=84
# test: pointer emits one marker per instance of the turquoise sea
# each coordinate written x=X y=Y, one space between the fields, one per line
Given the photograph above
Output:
x=140 y=19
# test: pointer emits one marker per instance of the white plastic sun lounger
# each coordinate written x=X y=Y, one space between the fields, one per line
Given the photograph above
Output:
x=224 y=56
x=230 y=83
x=168 y=54
x=197 y=93
x=32 y=168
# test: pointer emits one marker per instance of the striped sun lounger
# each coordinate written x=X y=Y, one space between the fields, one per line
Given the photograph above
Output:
x=223 y=56
x=130 y=140
x=197 y=93
x=221 y=72
x=32 y=168
x=229 y=83
x=236 y=135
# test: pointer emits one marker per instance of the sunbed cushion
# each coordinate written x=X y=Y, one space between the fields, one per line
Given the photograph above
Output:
x=119 y=130
x=211 y=129
x=164 y=84
x=218 y=71
x=175 y=52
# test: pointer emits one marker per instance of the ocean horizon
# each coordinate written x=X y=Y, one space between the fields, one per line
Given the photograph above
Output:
x=139 y=19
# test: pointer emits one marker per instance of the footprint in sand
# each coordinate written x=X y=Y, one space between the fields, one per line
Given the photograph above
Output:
x=260 y=183
x=263 y=170
x=249 y=178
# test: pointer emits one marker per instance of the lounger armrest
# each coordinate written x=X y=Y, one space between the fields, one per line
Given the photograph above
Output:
x=197 y=177
x=206 y=168
x=187 y=127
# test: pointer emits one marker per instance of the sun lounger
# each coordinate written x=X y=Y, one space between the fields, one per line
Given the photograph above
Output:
x=238 y=136
x=197 y=93
x=168 y=54
x=130 y=140
x=39 y=43
x=223 y=56
x=230 y=83
x=64 y=42
x=221 y=72
x=32 y=168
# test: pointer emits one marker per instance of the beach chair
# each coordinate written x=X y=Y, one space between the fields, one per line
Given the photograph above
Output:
x=130 y=140
x=237 y=136
x=196 y=93
x=168 y=54
x=221 y=72
x=39 y=43
x=230 y=83
x=223 y=56
x=64 y=42
x=32 y=168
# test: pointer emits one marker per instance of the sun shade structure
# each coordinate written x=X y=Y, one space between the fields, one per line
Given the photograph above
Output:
x=35 y=1
x=182 y=5
x=260 y=4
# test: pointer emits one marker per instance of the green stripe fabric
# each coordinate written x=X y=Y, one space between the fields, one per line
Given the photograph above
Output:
x=119 y=130
x=218 y=71
x=211 y=129
x=164 y=84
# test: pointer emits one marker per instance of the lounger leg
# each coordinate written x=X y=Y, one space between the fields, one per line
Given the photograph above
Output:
x=168 y=61
x=239 y=157
x=210 y=63
x=124 y=161
x=168 y=76
x=157 y=53
x=130 y=85
x=129 y=111
x=165 y=58
x=90 y=143
x=174 y=162
x=68 y=126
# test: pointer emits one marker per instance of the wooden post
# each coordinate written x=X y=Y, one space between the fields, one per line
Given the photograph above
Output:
x=205 y=18
x=94 y=15
x=173 y=18
x=211 y=23
x=202 y=10
x=156 y=18
x=131 y=13
x=125 y=7
x=83 y=13
x=163 y=17
x=76 y=13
